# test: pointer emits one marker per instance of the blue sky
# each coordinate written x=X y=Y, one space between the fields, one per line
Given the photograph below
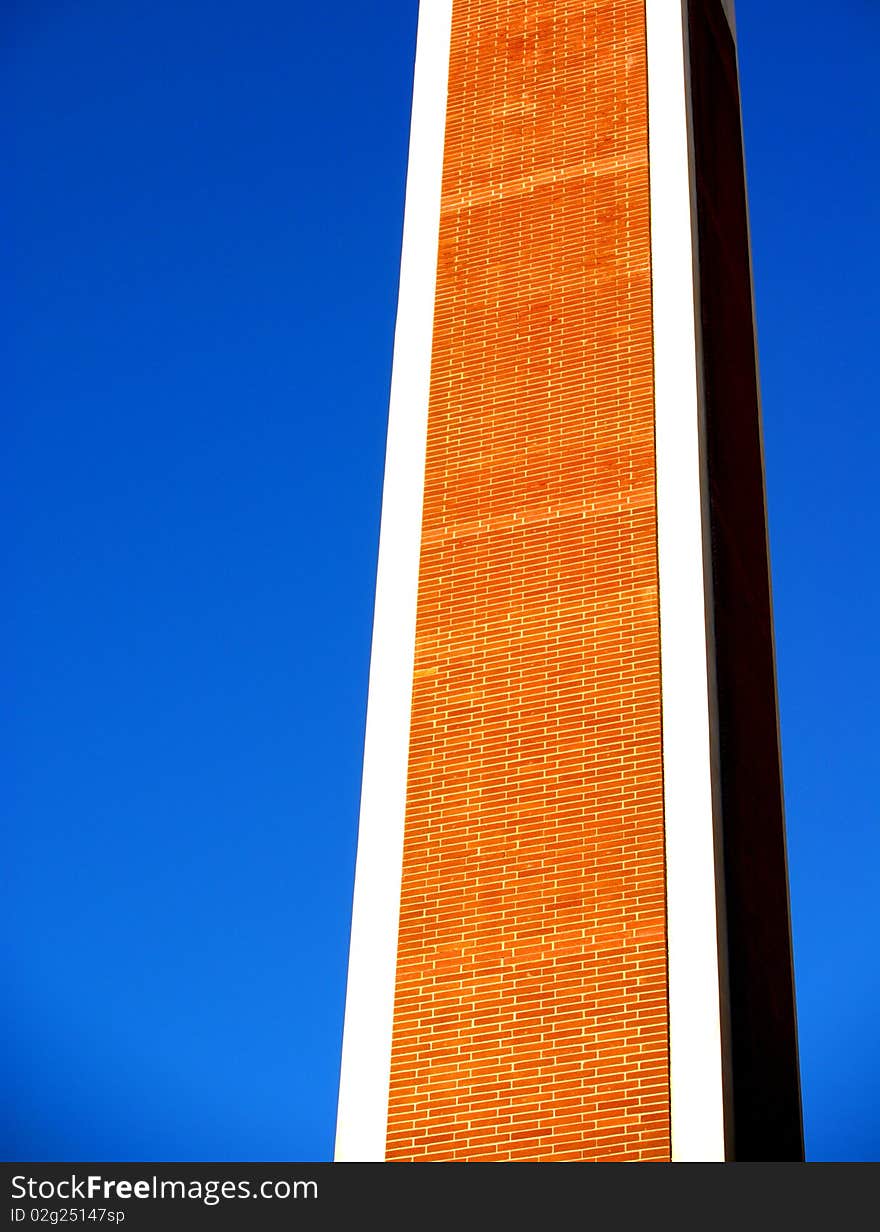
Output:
x=205 y=206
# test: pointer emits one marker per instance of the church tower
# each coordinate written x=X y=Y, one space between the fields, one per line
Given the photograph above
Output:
x=570 y=934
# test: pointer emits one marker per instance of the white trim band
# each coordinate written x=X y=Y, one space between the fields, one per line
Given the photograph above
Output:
x=362 y=1114
x=696 y=1087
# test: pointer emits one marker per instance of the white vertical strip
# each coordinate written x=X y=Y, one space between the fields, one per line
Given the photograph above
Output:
x=369 y=1008
x=694 y=995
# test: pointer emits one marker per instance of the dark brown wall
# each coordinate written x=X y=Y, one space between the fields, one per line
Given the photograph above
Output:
x=763 y=1036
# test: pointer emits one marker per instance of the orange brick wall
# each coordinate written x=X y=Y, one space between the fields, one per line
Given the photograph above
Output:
x=531 y=1001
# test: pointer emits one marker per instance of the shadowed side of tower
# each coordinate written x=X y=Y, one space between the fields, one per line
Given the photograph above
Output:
x=764 y=1076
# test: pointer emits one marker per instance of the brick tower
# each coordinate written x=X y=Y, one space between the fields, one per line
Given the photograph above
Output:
x=570 y=937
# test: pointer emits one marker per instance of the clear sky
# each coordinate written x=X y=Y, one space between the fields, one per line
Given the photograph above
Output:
x=205 y=205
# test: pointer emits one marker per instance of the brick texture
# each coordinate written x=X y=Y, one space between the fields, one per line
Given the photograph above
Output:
x=531 y=1001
